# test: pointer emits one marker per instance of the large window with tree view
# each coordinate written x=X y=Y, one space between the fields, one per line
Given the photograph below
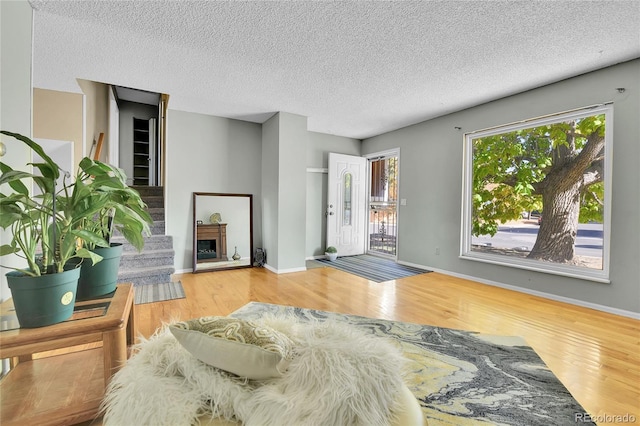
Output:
x=537 y=194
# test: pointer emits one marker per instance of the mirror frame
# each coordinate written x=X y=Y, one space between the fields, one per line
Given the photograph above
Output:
x=195 y=229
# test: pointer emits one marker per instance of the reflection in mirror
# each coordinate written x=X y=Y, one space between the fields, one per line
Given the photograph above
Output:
x=222 y=231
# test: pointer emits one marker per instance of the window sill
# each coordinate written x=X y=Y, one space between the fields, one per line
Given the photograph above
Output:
x=595 y=275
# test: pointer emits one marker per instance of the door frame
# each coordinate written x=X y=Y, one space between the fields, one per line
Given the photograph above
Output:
x=114 y=129
x=393 y=152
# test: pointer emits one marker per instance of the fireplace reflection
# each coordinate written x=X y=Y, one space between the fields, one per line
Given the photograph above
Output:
x=211 y=236
x=206 y=249
x=211 y=243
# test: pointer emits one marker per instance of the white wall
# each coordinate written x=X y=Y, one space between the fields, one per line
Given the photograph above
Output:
x=15 y=101
x=208 y=154
x=431 y=170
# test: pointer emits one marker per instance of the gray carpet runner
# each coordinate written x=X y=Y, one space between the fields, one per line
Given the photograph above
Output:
x=158 y=292
x=373 y=268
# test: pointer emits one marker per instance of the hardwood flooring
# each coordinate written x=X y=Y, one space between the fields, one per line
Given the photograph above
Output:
x=596 y=355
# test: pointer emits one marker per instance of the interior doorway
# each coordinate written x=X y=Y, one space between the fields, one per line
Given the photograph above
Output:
x=138 y=117
x=383 y=171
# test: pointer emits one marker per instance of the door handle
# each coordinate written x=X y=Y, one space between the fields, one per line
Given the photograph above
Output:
x=327 y=212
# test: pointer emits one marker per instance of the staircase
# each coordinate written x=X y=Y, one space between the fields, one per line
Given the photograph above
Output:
x=154 y=264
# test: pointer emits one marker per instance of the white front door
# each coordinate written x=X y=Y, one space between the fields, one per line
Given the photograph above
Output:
x=346 y=201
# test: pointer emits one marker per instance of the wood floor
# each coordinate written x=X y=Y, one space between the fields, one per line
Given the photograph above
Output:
x=594 y=354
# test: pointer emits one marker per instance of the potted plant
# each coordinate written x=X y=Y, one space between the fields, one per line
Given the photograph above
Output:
x=46 y=237
x=332 y=253
x=100 y=190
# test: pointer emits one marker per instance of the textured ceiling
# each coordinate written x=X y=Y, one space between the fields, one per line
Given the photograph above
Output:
x=355 y=69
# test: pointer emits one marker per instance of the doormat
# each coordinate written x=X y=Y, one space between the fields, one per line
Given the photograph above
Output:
x=158 y=292
x=373 y=268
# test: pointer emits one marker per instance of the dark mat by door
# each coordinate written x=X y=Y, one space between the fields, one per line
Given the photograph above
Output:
x=373 y=268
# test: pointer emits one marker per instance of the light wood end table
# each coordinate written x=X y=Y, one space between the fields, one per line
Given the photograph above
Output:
x=67 y=388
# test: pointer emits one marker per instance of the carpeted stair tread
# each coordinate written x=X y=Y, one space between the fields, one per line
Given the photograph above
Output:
x=157 y=213
x=154 y=264
x=156 y=228
x=149 y=275
x=146 y=258
x=145 y=276
x=148 y=253
x=154 y=201
x=154 y=242
x=149 y=191
x=149 y=270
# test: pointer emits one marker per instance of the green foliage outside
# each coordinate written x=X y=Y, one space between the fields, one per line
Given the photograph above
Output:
x=509 y=171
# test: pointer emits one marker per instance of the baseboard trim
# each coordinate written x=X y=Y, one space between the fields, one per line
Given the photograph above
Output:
x=284 y=271
x=568 y=300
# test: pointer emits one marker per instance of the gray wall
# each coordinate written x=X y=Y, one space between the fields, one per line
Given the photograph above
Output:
x=270 y=167
x=208 y=154
x=318 y=149
x=284 y=191
x=214 y=154
x=431 y=181
x=15 y=102
x=293 y=191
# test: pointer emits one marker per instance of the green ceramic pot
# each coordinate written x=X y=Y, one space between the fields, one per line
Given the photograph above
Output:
x=43 y=300
x=100 y=279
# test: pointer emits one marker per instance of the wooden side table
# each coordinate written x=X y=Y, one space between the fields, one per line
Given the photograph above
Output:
x=68 y=388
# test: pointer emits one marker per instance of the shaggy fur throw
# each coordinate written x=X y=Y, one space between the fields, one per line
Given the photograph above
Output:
x=339 y=376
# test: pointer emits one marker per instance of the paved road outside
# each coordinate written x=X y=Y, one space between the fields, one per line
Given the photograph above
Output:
x=521 y=235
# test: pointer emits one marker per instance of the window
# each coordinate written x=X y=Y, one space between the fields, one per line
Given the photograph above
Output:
x=537 y=194
x=346 y=203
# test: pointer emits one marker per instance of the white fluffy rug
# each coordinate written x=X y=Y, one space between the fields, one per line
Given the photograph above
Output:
x=340 y=376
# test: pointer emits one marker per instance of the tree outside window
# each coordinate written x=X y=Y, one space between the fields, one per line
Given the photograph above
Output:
x=556 y=168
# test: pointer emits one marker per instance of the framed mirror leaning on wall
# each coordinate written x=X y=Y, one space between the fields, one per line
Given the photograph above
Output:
x=222 y=231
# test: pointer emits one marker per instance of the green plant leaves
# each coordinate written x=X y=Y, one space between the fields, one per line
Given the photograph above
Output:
x=510 y=169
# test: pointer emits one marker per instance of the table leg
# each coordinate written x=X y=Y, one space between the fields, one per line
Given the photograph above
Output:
x=131 y=327
x=114 y=345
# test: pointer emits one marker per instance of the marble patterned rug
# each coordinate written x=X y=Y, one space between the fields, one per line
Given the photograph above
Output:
x=459 y=377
